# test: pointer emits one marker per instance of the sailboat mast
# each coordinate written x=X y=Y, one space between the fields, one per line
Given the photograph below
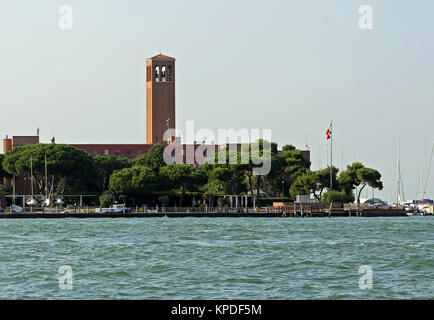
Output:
x=420 y=184
x=342 y=158
x=31 y=174
x=46 y=178
x=429 y=169
x=398 y=176
x=331 y=156
x=14 y=190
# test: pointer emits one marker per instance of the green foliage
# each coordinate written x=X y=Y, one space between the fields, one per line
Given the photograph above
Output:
x=357 y=175
x=305 y=183
x=106 y=200
x=2 y=190
x=177 y=174
x=295 y=163
x=316 y=183
x=348 y=178
x=218 y=180
x=148 y=176
x=323 y=179
x=337 y=196
x=74 y=170
x=290 y=166
x=153 y=159
x=184 y=177
x=368 y=177
x=106 y=165
x=137 y=180
x=3 y=173
x=273 y=145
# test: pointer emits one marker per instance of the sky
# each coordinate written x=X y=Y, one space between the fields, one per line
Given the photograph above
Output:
x=288 y=66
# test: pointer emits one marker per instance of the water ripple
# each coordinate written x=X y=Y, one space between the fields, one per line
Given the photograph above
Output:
x=217 y=258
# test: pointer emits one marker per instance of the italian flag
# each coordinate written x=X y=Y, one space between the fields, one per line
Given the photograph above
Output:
x=329 y=132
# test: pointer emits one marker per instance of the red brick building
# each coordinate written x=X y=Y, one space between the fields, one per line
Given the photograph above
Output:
x=22 y=184
x=160 y=97
x=125 y=150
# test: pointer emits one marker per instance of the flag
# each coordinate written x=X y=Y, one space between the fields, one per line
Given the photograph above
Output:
x=329 y=132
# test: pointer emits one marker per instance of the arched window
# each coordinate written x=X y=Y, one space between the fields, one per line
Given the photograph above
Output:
x=169 y=73
x=157 y=73
x=163 y=73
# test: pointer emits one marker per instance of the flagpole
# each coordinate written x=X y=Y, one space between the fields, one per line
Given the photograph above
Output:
x=331 y=155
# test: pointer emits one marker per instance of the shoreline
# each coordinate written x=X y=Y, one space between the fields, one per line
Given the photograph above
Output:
x=30 y=215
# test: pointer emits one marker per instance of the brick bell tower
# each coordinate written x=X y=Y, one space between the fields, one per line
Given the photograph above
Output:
x=160 y=97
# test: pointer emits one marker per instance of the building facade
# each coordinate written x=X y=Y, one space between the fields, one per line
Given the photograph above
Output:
x=125 y=150
x=22 y=184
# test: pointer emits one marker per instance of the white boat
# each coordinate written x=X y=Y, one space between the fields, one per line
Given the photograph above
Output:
x=116 y=208
x=16 y=209
x=32 y=202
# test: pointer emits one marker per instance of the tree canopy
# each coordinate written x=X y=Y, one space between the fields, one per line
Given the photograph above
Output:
x=149 y=176
x=137 y=180
x=3 y=172
x=153 y=159
x=73 y=169
x=106 y=165
x=368 y=177
x=183 y=176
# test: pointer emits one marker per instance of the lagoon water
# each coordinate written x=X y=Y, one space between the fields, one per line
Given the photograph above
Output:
x=223 y=258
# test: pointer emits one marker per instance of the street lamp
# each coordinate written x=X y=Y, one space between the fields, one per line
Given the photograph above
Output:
x=283 y=190
x=168 y=128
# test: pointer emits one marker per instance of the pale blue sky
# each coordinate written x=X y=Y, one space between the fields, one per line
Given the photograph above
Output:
x=286 y=65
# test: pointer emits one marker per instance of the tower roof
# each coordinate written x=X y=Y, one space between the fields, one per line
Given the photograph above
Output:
x=161 y=57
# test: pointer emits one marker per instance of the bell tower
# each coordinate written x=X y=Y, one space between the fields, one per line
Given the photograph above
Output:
x=160 y=97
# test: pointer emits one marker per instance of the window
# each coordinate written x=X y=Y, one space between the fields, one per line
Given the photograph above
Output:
x=163 y=73
x=106 y=152
x=95 y=152
x=173 y=152
x=157 y=73
x=169 y=73
x=139 y=152
x=117 y=152
x=204 y=153
x=128 y=152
